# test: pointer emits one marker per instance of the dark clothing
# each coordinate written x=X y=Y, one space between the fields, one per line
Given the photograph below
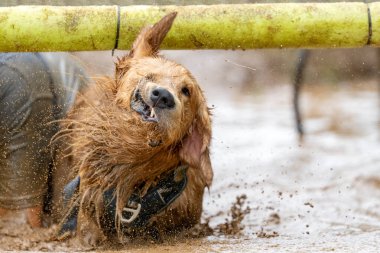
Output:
x=35 y=90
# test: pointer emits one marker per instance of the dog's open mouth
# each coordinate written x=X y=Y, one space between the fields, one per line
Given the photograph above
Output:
x=138 y=104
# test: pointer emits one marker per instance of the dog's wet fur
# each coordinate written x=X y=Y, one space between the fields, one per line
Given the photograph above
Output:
x=126 y=131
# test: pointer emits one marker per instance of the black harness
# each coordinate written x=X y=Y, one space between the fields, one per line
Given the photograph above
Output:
x=138 y=211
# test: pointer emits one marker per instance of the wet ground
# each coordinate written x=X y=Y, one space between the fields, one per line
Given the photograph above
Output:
x=321 y=195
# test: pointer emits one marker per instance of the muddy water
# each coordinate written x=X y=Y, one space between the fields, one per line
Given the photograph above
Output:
x=318 y=196
x=322 y=195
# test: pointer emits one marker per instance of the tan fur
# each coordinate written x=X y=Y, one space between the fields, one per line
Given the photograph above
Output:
x=110 y=143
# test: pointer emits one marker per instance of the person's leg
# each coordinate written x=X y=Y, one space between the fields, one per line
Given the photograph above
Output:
x=34 y=216
x=25 y=113
x=3 y=212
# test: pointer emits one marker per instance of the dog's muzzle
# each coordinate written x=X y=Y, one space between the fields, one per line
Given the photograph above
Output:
x=160 y=99
x=140 y=106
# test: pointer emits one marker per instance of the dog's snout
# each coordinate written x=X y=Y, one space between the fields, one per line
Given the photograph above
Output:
x=162 y=98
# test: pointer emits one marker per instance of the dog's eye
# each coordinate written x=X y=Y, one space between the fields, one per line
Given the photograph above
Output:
x=185 y=91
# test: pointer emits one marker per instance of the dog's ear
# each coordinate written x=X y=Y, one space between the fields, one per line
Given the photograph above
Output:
x=151 y=37
x=195 y=146
x=147 y=42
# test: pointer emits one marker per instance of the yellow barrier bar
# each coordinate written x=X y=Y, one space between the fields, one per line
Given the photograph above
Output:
x=236 y=26
x=375 y=23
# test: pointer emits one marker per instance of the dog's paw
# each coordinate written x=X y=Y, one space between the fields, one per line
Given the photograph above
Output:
x=91 y=239
x=90 y=235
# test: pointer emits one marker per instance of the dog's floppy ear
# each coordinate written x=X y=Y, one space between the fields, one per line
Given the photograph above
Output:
x=147 y=42
x=195 y=145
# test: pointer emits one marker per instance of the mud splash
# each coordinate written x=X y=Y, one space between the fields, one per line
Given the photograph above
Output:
x=233 y=224
x=16 y=235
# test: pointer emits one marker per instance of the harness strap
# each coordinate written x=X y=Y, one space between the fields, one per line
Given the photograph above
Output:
x=139 y=209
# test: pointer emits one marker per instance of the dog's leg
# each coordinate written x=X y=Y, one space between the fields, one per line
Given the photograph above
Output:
x=89 y=233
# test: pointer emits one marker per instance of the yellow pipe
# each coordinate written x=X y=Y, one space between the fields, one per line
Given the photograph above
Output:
x=375 y=23
x=236 y=26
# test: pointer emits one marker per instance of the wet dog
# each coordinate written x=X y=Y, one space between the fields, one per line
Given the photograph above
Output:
x=126 y=133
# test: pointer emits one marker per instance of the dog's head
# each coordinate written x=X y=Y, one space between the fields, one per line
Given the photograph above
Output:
x=165 y=95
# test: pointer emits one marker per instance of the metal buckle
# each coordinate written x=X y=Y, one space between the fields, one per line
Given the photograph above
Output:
x=134 y=212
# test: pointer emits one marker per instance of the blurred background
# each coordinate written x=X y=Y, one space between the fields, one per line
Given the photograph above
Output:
x=321 y=194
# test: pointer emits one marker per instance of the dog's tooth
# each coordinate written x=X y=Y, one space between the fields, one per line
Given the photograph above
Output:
x=152 y=114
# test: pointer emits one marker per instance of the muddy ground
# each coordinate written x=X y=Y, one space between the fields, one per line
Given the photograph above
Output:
x=321 y=195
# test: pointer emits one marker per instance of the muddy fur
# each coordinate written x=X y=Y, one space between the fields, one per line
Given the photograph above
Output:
x=110 y=146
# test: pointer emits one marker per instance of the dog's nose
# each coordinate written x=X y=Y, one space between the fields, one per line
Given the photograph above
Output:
x=162 y=98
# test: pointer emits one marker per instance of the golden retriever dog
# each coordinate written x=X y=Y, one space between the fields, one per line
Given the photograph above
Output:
x=127 y=132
